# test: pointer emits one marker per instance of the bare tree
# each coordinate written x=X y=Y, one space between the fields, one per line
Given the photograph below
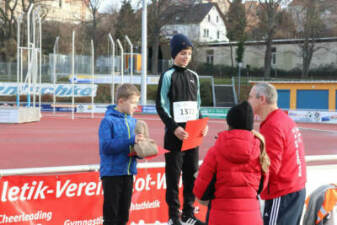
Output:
x=129 y=23
x=9 y=10
x=236 y=23
x=310 y=27
x=93 y=6
x=270 y=17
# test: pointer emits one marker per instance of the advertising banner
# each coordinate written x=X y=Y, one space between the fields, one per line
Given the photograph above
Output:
x=313 y=116
x=214 y=112
x=149 y=109
x=107 y=79
x=97 y=108
x=61 y=90
x=77 y=199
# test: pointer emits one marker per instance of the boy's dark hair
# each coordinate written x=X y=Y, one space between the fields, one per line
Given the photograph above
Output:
x=126 y=90
x=241 y=116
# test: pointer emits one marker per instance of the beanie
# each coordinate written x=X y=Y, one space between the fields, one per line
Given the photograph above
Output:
x=179 y=42
x=241 y=116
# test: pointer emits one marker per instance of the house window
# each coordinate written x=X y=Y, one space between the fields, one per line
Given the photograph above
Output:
x=273 y=55
x=60 y=3
x=217 y=19
x=218 y=35
x=206 y=32
x=210 y=56
x=209 y=18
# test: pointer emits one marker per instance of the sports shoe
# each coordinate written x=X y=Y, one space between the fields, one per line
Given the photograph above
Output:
x=174 y=221
x=191 y=220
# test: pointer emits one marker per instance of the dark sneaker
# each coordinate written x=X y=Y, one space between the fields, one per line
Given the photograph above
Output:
x=174 y=221
x=191 y=220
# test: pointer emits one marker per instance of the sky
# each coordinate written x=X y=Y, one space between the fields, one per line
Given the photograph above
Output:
x=108 y=4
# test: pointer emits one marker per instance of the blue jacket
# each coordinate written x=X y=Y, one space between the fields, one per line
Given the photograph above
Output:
x=116 y=138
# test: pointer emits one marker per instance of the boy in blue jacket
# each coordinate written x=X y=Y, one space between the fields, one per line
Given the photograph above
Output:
x=117 y=167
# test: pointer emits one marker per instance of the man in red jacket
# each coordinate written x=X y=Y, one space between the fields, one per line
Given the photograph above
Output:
x=285 y=193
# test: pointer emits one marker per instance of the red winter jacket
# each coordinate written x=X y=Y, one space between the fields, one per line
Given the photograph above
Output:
x=285 y=149
x=235 y=160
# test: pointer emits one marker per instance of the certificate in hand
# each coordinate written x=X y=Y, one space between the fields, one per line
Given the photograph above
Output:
x=194 y=129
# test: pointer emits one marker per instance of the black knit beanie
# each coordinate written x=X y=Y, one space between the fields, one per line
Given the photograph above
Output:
x=241 y=116
x=179 y=42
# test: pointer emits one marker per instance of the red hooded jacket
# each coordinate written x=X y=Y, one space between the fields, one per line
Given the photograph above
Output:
x=235 y=160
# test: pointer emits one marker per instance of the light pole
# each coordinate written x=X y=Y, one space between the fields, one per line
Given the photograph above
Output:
x=144 y=53
x=131 y=58
x=19 y=21
x=73 y=73
x=92 y=77
x=112 y=69
x=240 y=65
x=122 y=60
x=54 y=72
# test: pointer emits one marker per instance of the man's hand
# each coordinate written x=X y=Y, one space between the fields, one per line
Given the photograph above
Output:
x=204 y=131
x=180 y=133
x=139 y=138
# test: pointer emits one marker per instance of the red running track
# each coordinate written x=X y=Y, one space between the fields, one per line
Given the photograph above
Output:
x=60 y=141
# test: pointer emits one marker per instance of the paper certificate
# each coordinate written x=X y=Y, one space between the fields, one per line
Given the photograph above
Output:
x=194 y=129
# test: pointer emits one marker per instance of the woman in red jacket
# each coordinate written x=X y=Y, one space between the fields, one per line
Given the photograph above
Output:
x=236 y=168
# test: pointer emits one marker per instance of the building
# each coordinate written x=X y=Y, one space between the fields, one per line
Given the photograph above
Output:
x=202 y=23
x=306 y=95
x=223 y=4
x=65 y=11
x=286 y=53
x=73 y=11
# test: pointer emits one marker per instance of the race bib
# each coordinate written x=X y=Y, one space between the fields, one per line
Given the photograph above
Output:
x=185 y=111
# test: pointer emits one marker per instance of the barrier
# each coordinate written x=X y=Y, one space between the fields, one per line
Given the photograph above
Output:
x=45 y=199
x=50 y=199
x=313 y=116
x=19 y=114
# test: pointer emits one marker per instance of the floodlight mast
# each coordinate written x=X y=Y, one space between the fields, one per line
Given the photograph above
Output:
x=92 y=77
x=122 y=60
x=131 y=58
x=112 y=70
x=29 y=52
x=18 y=60
x=54 y=73
x=144 y=53
x=73 y=76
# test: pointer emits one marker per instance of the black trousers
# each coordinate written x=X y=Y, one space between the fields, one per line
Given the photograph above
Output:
x=284 y=210
x=117 y=199
x=185 y=162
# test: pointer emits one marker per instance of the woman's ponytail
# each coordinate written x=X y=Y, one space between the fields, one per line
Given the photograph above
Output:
x=264 y=158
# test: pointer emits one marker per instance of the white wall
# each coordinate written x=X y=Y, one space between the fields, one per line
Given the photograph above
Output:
x=196 y=31
x=213 y=25
x=288 y=56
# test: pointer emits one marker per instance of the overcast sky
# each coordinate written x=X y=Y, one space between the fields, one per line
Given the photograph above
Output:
x=107 y=4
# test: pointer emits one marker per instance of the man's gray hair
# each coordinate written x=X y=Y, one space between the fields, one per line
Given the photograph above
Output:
x=267 y=90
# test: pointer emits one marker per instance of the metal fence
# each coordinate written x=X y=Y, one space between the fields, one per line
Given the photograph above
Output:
x=63 y=67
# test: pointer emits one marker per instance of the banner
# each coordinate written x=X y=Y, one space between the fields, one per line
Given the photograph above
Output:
x=61 y=90
x=107 y=79
x=78 y=199
x=214 y=112
x=313 y=116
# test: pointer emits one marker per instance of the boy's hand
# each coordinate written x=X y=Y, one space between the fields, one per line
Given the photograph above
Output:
x=139 y=138
x=180 y=133
x=204 y=131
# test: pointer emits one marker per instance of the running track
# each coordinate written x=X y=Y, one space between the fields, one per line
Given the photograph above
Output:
x=60 y=141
